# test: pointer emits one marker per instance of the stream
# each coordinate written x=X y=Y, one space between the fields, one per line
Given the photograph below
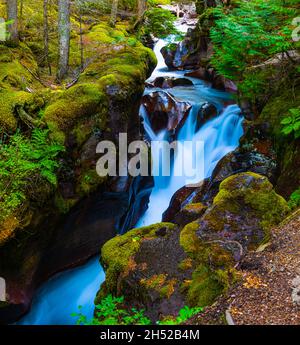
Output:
x=58 y=298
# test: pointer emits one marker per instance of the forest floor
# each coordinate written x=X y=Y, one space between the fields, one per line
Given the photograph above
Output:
x=269 y=290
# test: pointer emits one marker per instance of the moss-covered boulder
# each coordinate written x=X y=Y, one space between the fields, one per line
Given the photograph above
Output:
x=244 y=210
x=143 y=265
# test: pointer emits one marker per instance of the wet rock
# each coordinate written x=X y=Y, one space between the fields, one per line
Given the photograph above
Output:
x=238 y=161
x=190 y=213
x=207 y=112
x=180 y=199
x=241 y=161
x=217 y=82
x=170 y=82
x=165 y=112
x=200 y=73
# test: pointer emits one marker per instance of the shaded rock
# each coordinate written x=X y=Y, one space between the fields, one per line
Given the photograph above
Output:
x=182 y=197
x=169 y=82
x=165 y=112
x=241 y=161
x=144 y=264
x=244 y=210
x=217 y=81
x=223 y=84
x=200 y=73
x=190 y=213
x=207 y=112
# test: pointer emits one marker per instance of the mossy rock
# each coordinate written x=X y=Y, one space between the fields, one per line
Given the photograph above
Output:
x=244 y=210
x=212 y=264
x=32 y=103
x=190 y=213
x=118 y=253
x=254 y=194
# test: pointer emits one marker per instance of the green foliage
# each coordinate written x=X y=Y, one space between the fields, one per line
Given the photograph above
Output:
x=184 y=314
x=23 y=164
x=159 y=22
x=248 y=34
x=295 y=199
x=111 y=312
x=291 y=123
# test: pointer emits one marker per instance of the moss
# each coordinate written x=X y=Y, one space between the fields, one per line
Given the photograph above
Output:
x=168 y=289
x=204 y=288
x=257 y=192
x=277 y=109
x=89 y=182
x=212 y=268
x=185 y=264
x=161 y=284
x=79 y=101
x=9 y=100
x=64 y=205
x=189 y=240
x=212 y=276
x=117 y=255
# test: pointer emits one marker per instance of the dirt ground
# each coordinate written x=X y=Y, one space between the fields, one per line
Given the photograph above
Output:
x=269 y=289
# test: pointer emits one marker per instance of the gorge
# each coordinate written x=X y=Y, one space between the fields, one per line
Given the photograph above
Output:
x=187 y=246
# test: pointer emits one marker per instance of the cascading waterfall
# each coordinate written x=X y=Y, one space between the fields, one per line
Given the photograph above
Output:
x=57 y=299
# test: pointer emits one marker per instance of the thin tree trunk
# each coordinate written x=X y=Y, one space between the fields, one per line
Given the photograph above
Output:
x=12 y=17
x=21 y=15
x=142 y=6
x=46 y=37
x=81 y=41
x=114 y=12
x=64 y=28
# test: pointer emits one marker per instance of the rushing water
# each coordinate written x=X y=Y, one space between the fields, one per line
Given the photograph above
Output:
x=57 y=299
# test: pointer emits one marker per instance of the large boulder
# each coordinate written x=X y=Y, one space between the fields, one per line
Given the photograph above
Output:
x=164 y=267
x=244 y=210
x=165 y=112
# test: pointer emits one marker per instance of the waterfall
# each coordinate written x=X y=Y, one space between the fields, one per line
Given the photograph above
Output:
x=58 y=298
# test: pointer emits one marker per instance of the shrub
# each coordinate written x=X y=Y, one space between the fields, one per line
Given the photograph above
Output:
x=111 y=312
x=24 y=163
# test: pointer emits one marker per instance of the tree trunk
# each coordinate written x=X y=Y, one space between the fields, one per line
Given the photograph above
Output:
x=46 y=36
x=81 y=42
x=12 y=17
x=114 y=12
x=64 y=28
x=142 y=6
